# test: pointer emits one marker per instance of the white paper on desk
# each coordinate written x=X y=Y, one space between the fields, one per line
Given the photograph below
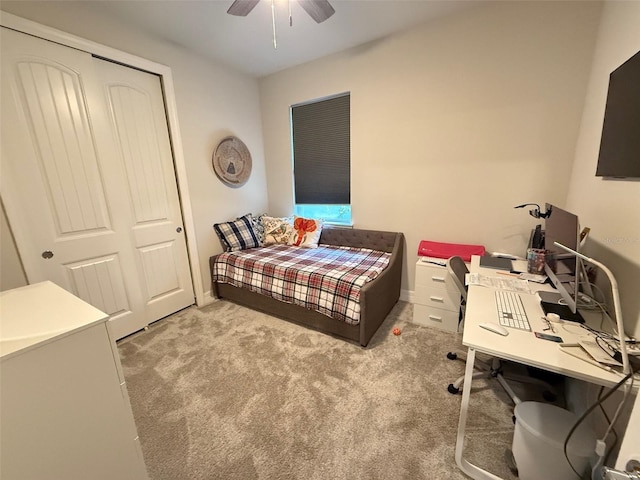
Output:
x=513 y=284
x=597 y=353
x=578 y=352
x=533 y=277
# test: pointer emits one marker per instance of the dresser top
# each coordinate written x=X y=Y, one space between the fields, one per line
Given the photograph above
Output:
x=39 y=313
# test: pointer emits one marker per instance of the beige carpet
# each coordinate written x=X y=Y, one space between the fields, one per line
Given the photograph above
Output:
x=225 y=392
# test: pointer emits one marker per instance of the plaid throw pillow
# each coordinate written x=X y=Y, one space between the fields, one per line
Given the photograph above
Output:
x=237 y=235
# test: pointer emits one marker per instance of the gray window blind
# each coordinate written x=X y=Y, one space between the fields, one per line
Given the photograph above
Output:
x=322 y=151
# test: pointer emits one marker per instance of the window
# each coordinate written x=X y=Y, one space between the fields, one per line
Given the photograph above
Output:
x=320 y=133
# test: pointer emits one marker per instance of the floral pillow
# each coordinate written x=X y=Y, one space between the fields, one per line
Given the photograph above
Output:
x=258 y=227
x=277 y=231
x=306 y=232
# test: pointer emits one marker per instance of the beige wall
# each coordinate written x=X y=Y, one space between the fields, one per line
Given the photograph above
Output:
x=453 y=123
x=611 y=208
x=212 y=101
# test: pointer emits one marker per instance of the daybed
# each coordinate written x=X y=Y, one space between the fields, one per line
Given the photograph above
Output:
x=377 y=297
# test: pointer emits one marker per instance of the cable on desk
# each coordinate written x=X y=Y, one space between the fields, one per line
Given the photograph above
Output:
x=592 y=407
x=608 y=342
x=593 y=304
x=613 y=430
x=603 y=311
x=602 y=295
x=606 y=345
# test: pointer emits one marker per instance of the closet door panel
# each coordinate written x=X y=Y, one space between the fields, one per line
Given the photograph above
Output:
x=137 y=138
x=54 y=174
x=139 y=128
x=98 y=282
x=55 y=113
x=88 y=182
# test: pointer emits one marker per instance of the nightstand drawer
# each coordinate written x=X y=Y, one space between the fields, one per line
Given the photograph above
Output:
x=435 y=317
x=437 y=297
x=433 y=276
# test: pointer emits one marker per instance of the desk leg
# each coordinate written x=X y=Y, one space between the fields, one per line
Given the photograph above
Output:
x=472 y=470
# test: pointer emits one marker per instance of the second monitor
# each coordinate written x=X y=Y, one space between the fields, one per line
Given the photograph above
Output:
x=562 y=268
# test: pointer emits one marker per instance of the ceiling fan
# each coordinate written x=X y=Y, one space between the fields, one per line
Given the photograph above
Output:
x=319 y=10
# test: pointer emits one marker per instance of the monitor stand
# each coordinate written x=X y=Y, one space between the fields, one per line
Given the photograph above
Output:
x=563 y=311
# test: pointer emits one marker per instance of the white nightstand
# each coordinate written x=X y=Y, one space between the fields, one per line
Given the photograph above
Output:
x=437 y=299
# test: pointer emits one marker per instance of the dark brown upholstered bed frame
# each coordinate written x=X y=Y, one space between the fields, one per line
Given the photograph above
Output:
x=377 y=297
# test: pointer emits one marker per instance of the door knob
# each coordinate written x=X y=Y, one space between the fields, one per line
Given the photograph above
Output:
x=179 y=229
x=47 y=254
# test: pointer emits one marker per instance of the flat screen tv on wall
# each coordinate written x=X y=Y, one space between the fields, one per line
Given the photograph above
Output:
x=620 y=144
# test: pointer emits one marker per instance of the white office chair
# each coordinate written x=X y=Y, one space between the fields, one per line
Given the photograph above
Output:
x=457 y=270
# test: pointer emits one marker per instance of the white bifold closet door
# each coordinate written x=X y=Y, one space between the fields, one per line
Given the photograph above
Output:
x=88 y=181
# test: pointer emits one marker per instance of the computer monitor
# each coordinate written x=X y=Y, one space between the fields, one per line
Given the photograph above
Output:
x=562 y=268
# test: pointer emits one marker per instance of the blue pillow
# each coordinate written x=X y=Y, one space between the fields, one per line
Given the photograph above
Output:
x=237 y=235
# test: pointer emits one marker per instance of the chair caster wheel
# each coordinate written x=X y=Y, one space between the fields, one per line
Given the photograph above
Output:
x=453 y=390
x=452 y=356
x=549 y=396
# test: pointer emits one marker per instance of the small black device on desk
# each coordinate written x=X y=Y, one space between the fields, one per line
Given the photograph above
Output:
x=563 y=311
x=546 y=336
x=497 y=263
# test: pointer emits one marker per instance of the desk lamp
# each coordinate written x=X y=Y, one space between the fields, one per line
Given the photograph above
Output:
x=626 y=367
x=596 y=472
x=535 y=212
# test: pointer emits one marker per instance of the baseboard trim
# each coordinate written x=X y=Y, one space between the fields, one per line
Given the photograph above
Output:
x=207 y=299
x=407 y=296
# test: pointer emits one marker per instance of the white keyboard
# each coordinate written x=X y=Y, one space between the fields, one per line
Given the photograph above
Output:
x=511 y=311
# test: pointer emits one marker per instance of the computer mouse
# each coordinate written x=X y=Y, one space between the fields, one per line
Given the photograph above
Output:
x=495 y=328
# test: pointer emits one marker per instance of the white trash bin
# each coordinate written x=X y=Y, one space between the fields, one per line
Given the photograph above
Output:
x=538 y=443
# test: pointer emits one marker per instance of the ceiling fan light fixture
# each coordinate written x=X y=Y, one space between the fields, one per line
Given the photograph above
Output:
x=319 y=10
x=242 y=8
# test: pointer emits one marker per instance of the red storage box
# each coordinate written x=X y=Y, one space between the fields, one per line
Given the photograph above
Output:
x=446 y=250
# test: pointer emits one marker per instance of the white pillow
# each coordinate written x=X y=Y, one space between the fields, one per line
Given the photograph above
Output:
x=306 y=232
x=277 y=231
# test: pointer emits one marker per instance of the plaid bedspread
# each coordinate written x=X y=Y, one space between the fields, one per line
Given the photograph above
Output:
x=327 y=279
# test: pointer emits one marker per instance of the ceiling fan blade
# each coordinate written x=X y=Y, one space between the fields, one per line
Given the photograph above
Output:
x=241 y=8
x=319 y=10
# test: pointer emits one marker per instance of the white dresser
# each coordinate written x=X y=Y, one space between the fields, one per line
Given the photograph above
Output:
x=436 y=297
x=64 y=407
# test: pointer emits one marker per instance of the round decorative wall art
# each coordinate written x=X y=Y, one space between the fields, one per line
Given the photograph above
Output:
x=232 y=161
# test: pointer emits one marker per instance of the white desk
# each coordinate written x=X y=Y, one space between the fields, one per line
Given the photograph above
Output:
x=519 y=346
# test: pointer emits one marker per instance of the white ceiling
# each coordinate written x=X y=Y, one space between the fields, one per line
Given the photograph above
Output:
x=246 y=43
